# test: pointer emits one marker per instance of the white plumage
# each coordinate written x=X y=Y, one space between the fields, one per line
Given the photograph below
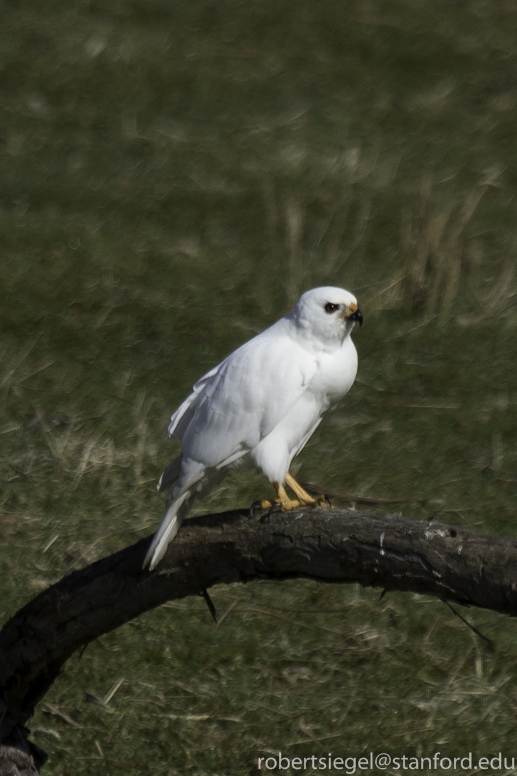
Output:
x=262 y=402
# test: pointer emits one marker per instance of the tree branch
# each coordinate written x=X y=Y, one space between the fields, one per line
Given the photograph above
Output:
x=338 y=545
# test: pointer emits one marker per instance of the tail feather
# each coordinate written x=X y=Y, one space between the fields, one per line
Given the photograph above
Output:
x=195 y=481
x=168 y=528
x=170 y=475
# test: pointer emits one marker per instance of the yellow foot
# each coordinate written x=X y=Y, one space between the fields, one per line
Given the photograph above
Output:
x=304 y=497
x=284 y=504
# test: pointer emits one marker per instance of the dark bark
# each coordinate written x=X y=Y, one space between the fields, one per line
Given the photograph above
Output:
x=328 y=545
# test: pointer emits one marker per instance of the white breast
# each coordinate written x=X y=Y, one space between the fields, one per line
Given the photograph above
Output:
x=335 y=373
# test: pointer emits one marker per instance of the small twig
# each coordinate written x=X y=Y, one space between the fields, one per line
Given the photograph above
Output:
x=469 y=625
x=227 y=612
x=313 y=487
x=116 y=687
x=210 y=604
x=50 y=708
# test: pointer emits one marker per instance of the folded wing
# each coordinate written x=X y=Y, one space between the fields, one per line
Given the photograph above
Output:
x=242 y=400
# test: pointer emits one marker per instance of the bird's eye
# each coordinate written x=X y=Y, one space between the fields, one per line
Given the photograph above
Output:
x=331 y=308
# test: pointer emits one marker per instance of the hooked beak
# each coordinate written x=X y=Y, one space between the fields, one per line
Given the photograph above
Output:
x=355 y=314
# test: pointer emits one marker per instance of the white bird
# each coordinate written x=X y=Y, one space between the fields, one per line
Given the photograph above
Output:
x=262 y=402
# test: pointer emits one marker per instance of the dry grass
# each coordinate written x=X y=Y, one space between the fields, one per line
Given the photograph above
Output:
x=174 y=176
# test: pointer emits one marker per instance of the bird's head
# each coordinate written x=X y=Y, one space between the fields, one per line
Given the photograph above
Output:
x=327 y=313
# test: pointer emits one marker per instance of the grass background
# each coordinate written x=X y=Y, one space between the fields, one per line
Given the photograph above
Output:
x=173 y=176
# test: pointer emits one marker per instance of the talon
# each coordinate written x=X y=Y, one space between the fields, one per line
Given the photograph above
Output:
x=261 y=504
x=276 y=506
x=256 y=505
x=324 y=501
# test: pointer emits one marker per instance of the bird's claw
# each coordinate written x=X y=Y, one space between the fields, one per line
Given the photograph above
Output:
x=256 y=505
x=276 y=506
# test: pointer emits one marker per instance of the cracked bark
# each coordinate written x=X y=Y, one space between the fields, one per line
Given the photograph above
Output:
x=335 y=546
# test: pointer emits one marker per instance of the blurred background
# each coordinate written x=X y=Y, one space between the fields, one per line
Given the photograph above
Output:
x=173 y=176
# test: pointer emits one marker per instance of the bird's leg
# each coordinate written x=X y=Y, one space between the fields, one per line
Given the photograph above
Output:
x=297 y=489
x=304 y=498
x=283 y=498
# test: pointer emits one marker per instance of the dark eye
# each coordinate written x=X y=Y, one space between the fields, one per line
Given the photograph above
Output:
x=331 y=308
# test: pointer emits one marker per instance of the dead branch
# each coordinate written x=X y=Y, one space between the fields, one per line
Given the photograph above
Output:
x=333 y=546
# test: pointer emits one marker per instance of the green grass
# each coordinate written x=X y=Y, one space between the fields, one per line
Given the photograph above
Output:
x=173 y=176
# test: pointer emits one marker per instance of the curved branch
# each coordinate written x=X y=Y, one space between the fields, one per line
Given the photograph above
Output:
x=385 y=551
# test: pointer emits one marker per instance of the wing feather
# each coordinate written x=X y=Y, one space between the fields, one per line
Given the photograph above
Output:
x=185 y=412
x=242 y=400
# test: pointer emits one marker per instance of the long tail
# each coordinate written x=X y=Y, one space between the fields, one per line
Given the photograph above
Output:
x=168 y=528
